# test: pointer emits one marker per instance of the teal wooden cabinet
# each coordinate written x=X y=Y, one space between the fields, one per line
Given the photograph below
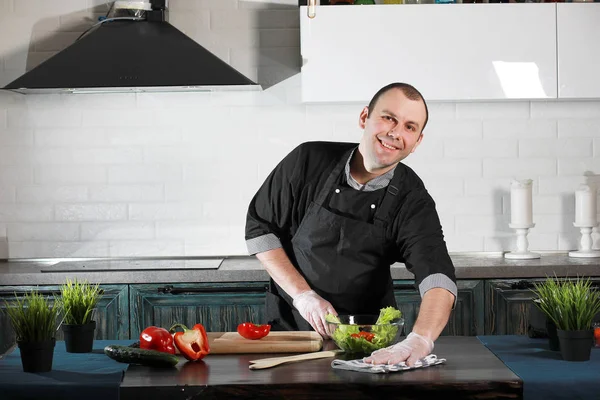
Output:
x=465 y=320
x=220 y=307
x=510 y=309
x=112 y=313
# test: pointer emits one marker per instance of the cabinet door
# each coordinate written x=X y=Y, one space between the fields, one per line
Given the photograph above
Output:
x=219 y=307
x=510 y=309
x=578 y=33
x=111 y=316
x=465 y=320
x=457 y=52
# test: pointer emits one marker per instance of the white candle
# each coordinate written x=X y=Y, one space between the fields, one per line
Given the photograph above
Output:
x=521 y=202
x=585 y=206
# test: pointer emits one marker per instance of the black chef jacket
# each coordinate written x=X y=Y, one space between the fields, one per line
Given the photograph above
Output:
x=414 y=237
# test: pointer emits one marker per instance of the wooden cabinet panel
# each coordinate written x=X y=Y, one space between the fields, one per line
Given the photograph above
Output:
x=219 y=307
x=466 y=318
x=111 y=316
x=509 y=308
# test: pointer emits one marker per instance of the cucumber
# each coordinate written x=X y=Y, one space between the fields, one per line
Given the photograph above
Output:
x=130 y=355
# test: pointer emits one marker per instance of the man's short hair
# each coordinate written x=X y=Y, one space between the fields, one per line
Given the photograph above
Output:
x=409 y=91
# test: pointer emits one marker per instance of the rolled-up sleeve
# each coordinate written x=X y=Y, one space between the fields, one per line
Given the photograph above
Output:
x=263 y=243
x=269 y=214
x=422 y=247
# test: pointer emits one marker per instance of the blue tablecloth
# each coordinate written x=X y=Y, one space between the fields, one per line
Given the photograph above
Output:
x=544 y=374
x=73 y=376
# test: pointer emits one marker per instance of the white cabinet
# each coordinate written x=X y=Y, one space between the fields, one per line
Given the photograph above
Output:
x=578 y=32
x=448 y=52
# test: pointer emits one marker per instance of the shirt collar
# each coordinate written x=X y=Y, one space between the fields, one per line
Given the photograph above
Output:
x=376 y=183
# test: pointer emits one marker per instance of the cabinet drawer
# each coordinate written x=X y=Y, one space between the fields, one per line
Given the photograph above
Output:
x=219 y=307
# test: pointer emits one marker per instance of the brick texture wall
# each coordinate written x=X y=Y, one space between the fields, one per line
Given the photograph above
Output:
x=171 y=174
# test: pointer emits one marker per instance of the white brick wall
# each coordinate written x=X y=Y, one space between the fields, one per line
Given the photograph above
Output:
x=171 y=174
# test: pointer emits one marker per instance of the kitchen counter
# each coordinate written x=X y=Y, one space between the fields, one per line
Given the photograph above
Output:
x=249 y=269
x=471 y=371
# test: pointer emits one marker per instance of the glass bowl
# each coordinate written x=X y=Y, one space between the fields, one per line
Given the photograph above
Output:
x=361 y=334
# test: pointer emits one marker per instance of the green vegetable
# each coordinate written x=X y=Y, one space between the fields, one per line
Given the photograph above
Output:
x=384 y=332
x=387 y=315
x=333 y=319
x=130 y=355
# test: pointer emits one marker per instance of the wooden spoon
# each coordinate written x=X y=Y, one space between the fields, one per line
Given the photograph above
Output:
x=271 y=362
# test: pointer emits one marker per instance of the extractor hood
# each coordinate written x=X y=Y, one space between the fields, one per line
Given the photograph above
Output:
x=143 y=53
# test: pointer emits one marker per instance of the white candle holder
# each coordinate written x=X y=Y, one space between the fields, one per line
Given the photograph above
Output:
x=522 y=252
x=586 y=243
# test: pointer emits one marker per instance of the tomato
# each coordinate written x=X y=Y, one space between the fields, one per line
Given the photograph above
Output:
x=366 y=335
x=251 y=331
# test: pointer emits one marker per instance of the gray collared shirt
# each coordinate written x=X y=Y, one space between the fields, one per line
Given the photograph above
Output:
x=379 y=182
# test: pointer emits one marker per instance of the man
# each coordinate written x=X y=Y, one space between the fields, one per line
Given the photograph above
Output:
x=332 y=217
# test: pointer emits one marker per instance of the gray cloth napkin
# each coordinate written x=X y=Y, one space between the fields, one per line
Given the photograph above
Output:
x=360 y=366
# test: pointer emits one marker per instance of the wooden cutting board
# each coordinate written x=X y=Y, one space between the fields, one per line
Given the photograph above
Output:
x=274 y=342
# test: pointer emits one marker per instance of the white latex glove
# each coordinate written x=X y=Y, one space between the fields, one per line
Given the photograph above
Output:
x=313 y=309
x=411 y=349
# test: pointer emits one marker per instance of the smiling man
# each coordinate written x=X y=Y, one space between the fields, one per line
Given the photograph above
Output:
x=331 y=219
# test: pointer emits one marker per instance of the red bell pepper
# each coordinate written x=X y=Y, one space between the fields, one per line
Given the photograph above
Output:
x=192 y=343
x=362 y=334
x=251 y=331
x=155 y=338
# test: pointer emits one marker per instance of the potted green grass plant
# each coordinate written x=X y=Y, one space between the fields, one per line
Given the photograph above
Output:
x=34 y=320
x=78 y=302
x=547 y=301
x=572 y=308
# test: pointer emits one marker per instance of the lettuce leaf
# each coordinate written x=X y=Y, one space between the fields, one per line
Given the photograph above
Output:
x=332 y=318
x=387 y=315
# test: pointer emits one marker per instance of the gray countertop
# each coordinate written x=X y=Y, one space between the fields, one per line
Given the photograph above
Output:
x=248 y=269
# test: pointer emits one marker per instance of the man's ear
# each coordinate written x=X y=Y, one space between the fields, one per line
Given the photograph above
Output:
x=419 y=140
x=362 y=119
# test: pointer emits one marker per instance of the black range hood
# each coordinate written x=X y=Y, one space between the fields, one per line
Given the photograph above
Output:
x=133 y=56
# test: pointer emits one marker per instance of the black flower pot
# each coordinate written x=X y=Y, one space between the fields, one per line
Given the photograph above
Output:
x=575 y=345
x=37 y=356
x=553 y=341
x=79 y=338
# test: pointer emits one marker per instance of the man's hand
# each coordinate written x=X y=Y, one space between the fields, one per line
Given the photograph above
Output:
x=313 y=309
x=411 y=349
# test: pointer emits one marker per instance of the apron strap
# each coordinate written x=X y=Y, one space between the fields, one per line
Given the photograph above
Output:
x=332 y=179
x=382 y=215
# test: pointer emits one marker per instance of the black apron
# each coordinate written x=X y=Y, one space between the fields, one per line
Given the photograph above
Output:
x=342 y=259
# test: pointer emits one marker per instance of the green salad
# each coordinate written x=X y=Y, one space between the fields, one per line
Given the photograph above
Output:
x=352 y=339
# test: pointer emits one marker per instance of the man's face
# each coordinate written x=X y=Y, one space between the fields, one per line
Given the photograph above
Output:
x=392 y=131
